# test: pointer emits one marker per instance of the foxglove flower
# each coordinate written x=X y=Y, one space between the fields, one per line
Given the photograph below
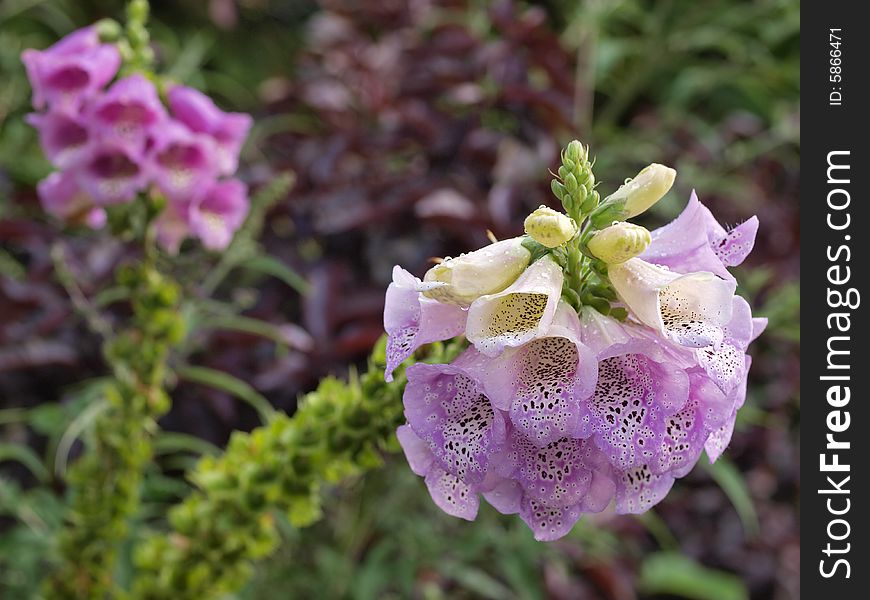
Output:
x=695 y=241
x=183 y=162
x=544 y=383
x=216 y=214
x=464 y=279
x=691 y=309
x=199 y=113
x=518 y=314
x=110 y=173
x=71 y=70
x=128 y=111
x=173 y=225
x=411 y=319
x=63 y=136
x=61 y=197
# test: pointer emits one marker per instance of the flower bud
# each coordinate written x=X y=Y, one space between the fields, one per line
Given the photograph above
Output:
x=463 y=279
x=619 y=242
x=550 y=227
x=647 y=188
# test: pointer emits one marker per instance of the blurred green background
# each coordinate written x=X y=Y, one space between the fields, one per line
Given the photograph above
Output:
x=413 y=127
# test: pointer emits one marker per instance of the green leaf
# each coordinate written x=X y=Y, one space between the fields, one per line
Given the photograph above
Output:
x=230 y=384
x=26 y=457
x=270 y=265
x=731 y=481
x=678 y=575
x=247 y=325
x=168 y=442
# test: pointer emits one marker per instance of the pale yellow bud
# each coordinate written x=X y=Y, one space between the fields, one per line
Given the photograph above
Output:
x=619 y=242
x=647 y=188
x=464 y=279
x=549 y=227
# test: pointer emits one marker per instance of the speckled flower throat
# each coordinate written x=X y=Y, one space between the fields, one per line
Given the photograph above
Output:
x=601 y=359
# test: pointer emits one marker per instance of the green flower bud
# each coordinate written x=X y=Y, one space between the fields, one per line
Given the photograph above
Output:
x=647 y=188
x=549 y=227
x=489 y=270
x=619 y=242
x=109 y=30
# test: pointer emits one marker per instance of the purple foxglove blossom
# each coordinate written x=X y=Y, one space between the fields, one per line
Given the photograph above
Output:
x=450 y=494
x=70 y=70
x=412 y=320
x=695 y=241
x=199 y=113
x=464 y=279
x=110 y=174
x=690 y=309
x=639 y=489
x=63 y=136
x=518 y=314
x=173 y=226
x=61 y=196
x=447 y=408
x=127 y=112
x=183 y=162
x=640 y=387
x=544 y=383
x=216 y=214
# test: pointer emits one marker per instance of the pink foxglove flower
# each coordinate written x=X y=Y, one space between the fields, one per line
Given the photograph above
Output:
x=182 y=162
x=61 y=197
x=111 y=174
x=63 y=136
x=216 y=214
x=127 y=113
x=71 y=70
x=412 y=320
x=199 y=113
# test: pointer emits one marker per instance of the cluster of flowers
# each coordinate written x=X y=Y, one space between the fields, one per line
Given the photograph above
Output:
x=555 y=411
x=112 y=143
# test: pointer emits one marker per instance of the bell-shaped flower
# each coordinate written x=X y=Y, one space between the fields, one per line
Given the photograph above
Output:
x=218 y=212
x=550 y=487
x=518 y=314
x=173 y=225
x=464 y=279
x=639 y=489
x=128 y=111
x=70 y=70
x=63 y=136
x=62 y=197
x=450 y=494
x=695 y=241
x=199 y=113
x=690 y=309
x=412 y=320
x=544 y=383
x=183 y=162
x=110 y=173
x=639 y=388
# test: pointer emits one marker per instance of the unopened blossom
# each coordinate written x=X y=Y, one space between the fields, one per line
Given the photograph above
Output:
x=183 y=163
x=128 y=112
x=111 y=173
x=648 y=187
x=549 y=227
x=619 y=242
x=66 y=73
x=464 y=279
x=519 y=313
x=216 y=214
x=199 y=113
x=63 y=136
x=691 y=309
x=172 y=225
x=412 y=320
